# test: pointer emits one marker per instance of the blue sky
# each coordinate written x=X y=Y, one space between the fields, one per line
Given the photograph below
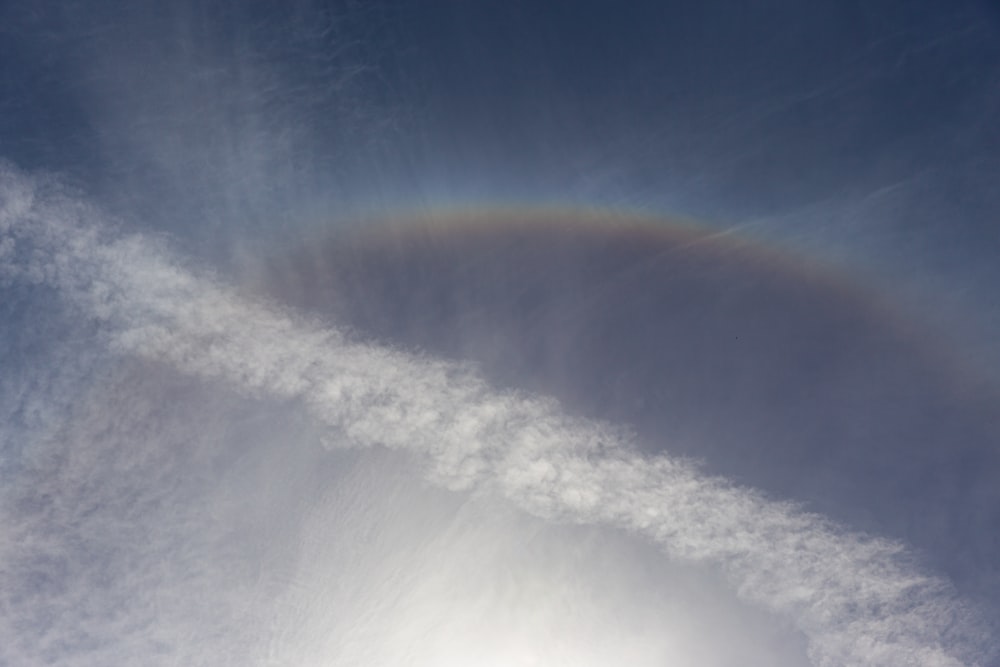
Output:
x=500 y=333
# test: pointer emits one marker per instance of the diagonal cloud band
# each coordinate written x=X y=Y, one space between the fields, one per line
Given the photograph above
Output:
x=858 y=599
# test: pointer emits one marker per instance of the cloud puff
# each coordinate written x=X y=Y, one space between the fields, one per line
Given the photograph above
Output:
x=858 y=599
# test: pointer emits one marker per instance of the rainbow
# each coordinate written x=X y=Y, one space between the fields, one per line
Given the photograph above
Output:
x=664 y=235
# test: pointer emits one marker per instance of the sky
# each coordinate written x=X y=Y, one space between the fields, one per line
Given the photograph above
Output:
x=499 y=333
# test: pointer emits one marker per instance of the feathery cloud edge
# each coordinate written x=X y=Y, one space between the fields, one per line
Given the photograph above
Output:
x=858 y=599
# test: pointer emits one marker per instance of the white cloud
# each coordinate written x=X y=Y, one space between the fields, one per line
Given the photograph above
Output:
x=859 y=600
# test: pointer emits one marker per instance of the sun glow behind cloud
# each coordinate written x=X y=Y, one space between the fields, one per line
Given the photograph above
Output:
x=452 y=582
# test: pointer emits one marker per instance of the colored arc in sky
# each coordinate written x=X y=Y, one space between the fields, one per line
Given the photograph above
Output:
x=774 y=370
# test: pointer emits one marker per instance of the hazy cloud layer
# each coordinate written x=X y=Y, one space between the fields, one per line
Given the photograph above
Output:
x=858 y=599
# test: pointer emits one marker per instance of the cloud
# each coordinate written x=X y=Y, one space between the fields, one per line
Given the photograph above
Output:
x=858 y=599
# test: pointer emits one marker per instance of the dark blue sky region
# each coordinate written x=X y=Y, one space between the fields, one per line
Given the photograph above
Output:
x=727 y=109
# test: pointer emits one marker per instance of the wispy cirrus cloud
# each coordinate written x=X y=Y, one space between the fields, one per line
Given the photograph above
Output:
x=858 y=599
